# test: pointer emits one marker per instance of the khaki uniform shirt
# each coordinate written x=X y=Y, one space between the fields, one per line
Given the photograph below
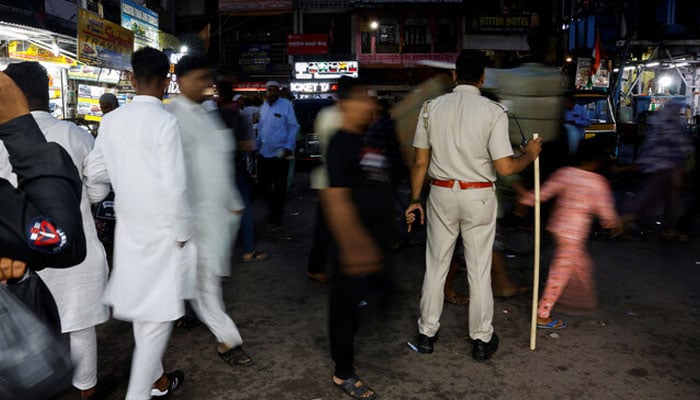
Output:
x=465 y=133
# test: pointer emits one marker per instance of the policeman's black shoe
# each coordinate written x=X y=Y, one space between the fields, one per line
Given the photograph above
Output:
x=422 y=344
x=482 y=351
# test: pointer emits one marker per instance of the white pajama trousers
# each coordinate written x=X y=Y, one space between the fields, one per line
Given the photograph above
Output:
x=83 y=351
x=471 y=212
x=151 y=339
x=209 y=306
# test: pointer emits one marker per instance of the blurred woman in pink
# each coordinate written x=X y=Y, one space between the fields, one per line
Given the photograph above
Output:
x=582 y=195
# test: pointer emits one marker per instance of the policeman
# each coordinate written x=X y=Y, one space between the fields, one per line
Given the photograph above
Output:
x=461 y=142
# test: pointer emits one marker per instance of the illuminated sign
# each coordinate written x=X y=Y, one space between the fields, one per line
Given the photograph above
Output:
x=312 y=87
x=325 y=69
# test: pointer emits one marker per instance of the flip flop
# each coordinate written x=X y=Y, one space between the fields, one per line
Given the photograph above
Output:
x=255 y=256
x=356 y=388
x=553 y=324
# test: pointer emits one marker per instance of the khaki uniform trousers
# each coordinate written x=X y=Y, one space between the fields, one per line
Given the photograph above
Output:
x=471 y=212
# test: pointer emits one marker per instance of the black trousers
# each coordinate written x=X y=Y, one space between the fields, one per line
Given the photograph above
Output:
x=272 y=181
x=344 y=321
x=318 y=255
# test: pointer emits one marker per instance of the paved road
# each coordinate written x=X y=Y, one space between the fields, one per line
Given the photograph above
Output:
x=641 y=345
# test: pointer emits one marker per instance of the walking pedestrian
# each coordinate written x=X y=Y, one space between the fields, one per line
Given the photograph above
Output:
x=357 y=206
x=216 y=203
x=461 y=142
x=77 y=290
x=277 y=135
x=582 y=193
x=139 y=150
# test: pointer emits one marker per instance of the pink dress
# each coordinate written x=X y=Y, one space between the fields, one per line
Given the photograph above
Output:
x=581 y=195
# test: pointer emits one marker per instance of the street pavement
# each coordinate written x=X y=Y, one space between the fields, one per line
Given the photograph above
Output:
x=642 y=344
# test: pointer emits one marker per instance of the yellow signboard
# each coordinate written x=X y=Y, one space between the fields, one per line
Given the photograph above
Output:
x=28 y=51
x=102 y=43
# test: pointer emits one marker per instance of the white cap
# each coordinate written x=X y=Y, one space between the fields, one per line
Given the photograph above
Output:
x=273 y=83
x=236 y=97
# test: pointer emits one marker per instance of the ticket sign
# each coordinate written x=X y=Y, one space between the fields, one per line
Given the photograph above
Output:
x=325 y=69
x=311 y=87
x=102 y=43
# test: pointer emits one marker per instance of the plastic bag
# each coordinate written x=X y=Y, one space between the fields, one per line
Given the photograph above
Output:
x=34 y=363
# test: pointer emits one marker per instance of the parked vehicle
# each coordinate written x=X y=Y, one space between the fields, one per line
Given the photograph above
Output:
x=308 y=145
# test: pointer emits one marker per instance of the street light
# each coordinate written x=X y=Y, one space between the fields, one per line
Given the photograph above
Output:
x=374 y=25
x=183 y=49
x=665 y=81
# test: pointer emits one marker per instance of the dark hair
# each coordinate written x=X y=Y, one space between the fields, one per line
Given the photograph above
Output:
x=33 y=80
x=348 y=85
x=470 y=66
x=225 y=90
x=149 y=65
x=190 y=63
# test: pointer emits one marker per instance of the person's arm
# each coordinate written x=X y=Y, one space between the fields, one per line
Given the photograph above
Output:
x=513 y=164
x=40 y=221
x=292 y=130
x=550 y=188
x=171 y=164
x=419 y=170
x=605 y=210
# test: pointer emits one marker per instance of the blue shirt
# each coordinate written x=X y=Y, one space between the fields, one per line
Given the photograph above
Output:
x=277 y=128
x=578 y=116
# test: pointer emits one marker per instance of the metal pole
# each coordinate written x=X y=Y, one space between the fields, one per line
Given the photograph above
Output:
x=536 y=276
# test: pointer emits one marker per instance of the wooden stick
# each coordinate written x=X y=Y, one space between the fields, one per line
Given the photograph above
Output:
x=536 y=277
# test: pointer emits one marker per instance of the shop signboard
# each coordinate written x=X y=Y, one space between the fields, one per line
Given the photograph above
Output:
x=93 y=74
x=315 y=43
x=504 y=23
x=89 y=101
x=406 y=59
x=102 y=43
x=143 y=22
x=22 y=50
x=312 y=87
x=249 y=87
x=255 y=58
x=325 y=69
x=168 y=41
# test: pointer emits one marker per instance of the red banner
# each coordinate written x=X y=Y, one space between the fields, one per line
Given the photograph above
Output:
x=314 y=43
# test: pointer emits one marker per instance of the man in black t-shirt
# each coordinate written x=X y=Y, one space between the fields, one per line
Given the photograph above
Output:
x=357 y=205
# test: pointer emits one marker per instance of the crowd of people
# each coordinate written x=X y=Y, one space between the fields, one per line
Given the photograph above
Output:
x=182 y=183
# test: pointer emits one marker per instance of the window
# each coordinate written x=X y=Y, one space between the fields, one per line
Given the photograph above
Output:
x=416 y=36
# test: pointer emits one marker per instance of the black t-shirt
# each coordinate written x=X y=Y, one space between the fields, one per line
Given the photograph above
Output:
x=352 y=164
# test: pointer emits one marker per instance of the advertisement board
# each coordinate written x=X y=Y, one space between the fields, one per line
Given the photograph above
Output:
x=89 y=101
x=255 y=58
x=325 y=69
x=93 y=74
x=102 y=43
x=23 y=50
x=316 y=43
x=143 y=22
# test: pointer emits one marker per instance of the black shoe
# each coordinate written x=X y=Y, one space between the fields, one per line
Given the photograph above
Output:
x=175 y=380
x=422 y=344
x=482 y=351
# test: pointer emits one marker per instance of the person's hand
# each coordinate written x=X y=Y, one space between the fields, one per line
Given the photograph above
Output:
x=13 y=104
x=246 y=145
x=411 y=217
x=533 y=148
x=361 y=262
x=11 y=269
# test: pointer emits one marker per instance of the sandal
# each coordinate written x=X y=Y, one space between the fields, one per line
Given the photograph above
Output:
x=236 y=356
x=320 y=277
x=356 y=388
x=456 y=299
x=553 y=323
x=254 y=256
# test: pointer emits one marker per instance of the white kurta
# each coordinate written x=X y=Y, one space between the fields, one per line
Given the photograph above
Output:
x=139 y=150
x=209 y=147
x=77 y=290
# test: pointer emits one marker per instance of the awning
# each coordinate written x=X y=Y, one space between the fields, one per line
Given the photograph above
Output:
x=56 y=43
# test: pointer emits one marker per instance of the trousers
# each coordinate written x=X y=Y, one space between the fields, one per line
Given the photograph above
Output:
x=150 y=341
x=272 y=180
x=471 y=212
x=83 y=350
x=209 y=306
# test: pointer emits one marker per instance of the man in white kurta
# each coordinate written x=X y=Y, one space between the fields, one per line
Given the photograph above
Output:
x=77 y=290
x=216 y=203
x=139 y=150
